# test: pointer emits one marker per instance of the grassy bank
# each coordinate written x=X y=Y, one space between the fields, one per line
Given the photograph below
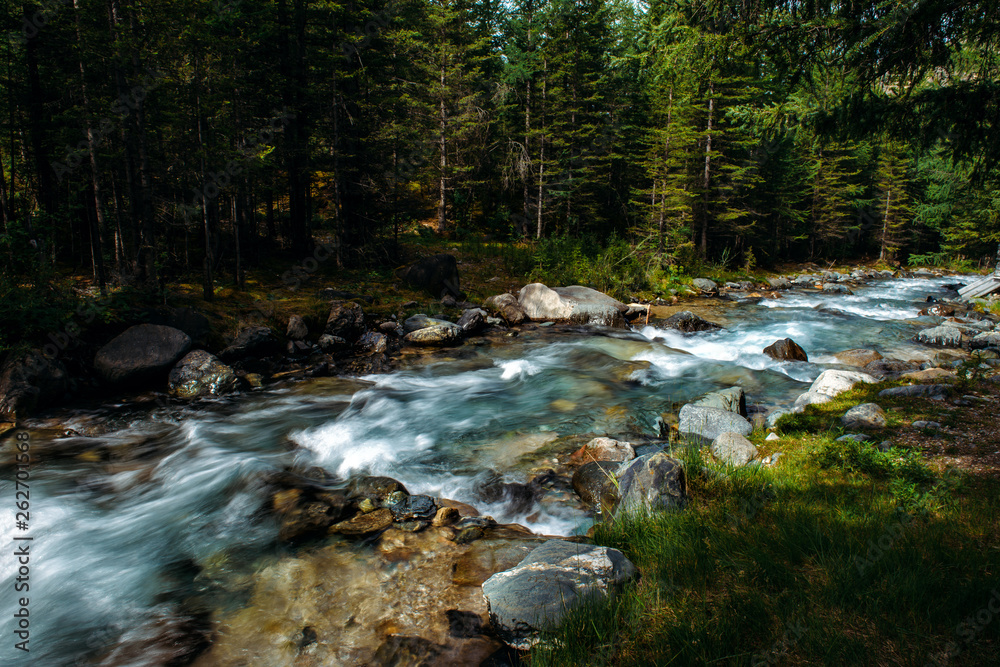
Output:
x=841 y=554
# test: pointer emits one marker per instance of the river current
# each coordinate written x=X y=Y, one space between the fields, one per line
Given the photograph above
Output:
x=118 y=547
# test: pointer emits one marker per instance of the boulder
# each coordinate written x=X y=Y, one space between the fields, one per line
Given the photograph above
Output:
x=252 y=342
x=440 y=334
x=414 y=508
x=596 y=485
x=933 y=391
x=732 y=399
x=705 y=285
x=688 y=322
x=364 y=524
x=143 y=352
x=889 y=367
x=780 y=282
x=373 y=342
x=708 y=423
x=733 y=449
x=786 y=349
x=472 y=321
x=649 y=483
x=990 y=339
x=297 y=329
x=551 y=581
x=835 y=288
x=200 y=374
x=859 y=357
x=421 y=321
x=577 y=304
x=604 y=449
x=942 y=336
x=507 y=307
x=30 y=381
x=377 y=489
x=438 y=275
x=834 y=382
x=346 y=320
x=866 y=415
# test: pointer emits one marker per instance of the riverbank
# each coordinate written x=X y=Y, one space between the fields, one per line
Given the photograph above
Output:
x=884 y=552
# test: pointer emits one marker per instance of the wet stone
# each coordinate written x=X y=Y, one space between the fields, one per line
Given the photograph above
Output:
x=421 y=508
x=363 y=524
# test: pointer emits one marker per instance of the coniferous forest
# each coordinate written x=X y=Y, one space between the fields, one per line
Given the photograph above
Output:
x=141 y=141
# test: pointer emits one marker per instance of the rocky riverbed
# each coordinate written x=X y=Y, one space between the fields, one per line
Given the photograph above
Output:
x=243 y=506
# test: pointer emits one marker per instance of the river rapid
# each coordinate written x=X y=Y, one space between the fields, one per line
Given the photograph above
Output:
x=126 y=548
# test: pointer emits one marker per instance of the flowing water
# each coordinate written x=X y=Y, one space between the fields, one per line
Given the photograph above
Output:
x=120 y=546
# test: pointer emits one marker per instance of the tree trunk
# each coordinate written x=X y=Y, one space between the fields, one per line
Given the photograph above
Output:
x=97 y=221
x=442 y=147
x=708 y=168
x=541 y=151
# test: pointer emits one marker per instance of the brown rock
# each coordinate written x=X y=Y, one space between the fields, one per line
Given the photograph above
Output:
x=364 y=524
x=859 y=357
x=786 y=349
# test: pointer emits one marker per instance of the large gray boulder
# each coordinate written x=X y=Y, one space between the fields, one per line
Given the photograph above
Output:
x=30 y=381
x=708 y=423
x=733 y=449
x=834 y=382
x=829 y=384
x=780 y=282
x=577 y=304
x=507 y=307
x=649 y=483
x=199 y=374
x=732 y=399
x=688 y=322
x=438 y=275
x=866 y=415
x=705 y=285
x=140 y=353
x=551 y=580
x=942 y=336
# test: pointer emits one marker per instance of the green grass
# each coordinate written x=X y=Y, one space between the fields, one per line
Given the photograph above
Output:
x=842 y=554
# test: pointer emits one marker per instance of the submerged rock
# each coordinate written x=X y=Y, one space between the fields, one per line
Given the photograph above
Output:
x=688 y=322
x=199 y=374
x=364 y=523
x=549 y=582
x=143 y=352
